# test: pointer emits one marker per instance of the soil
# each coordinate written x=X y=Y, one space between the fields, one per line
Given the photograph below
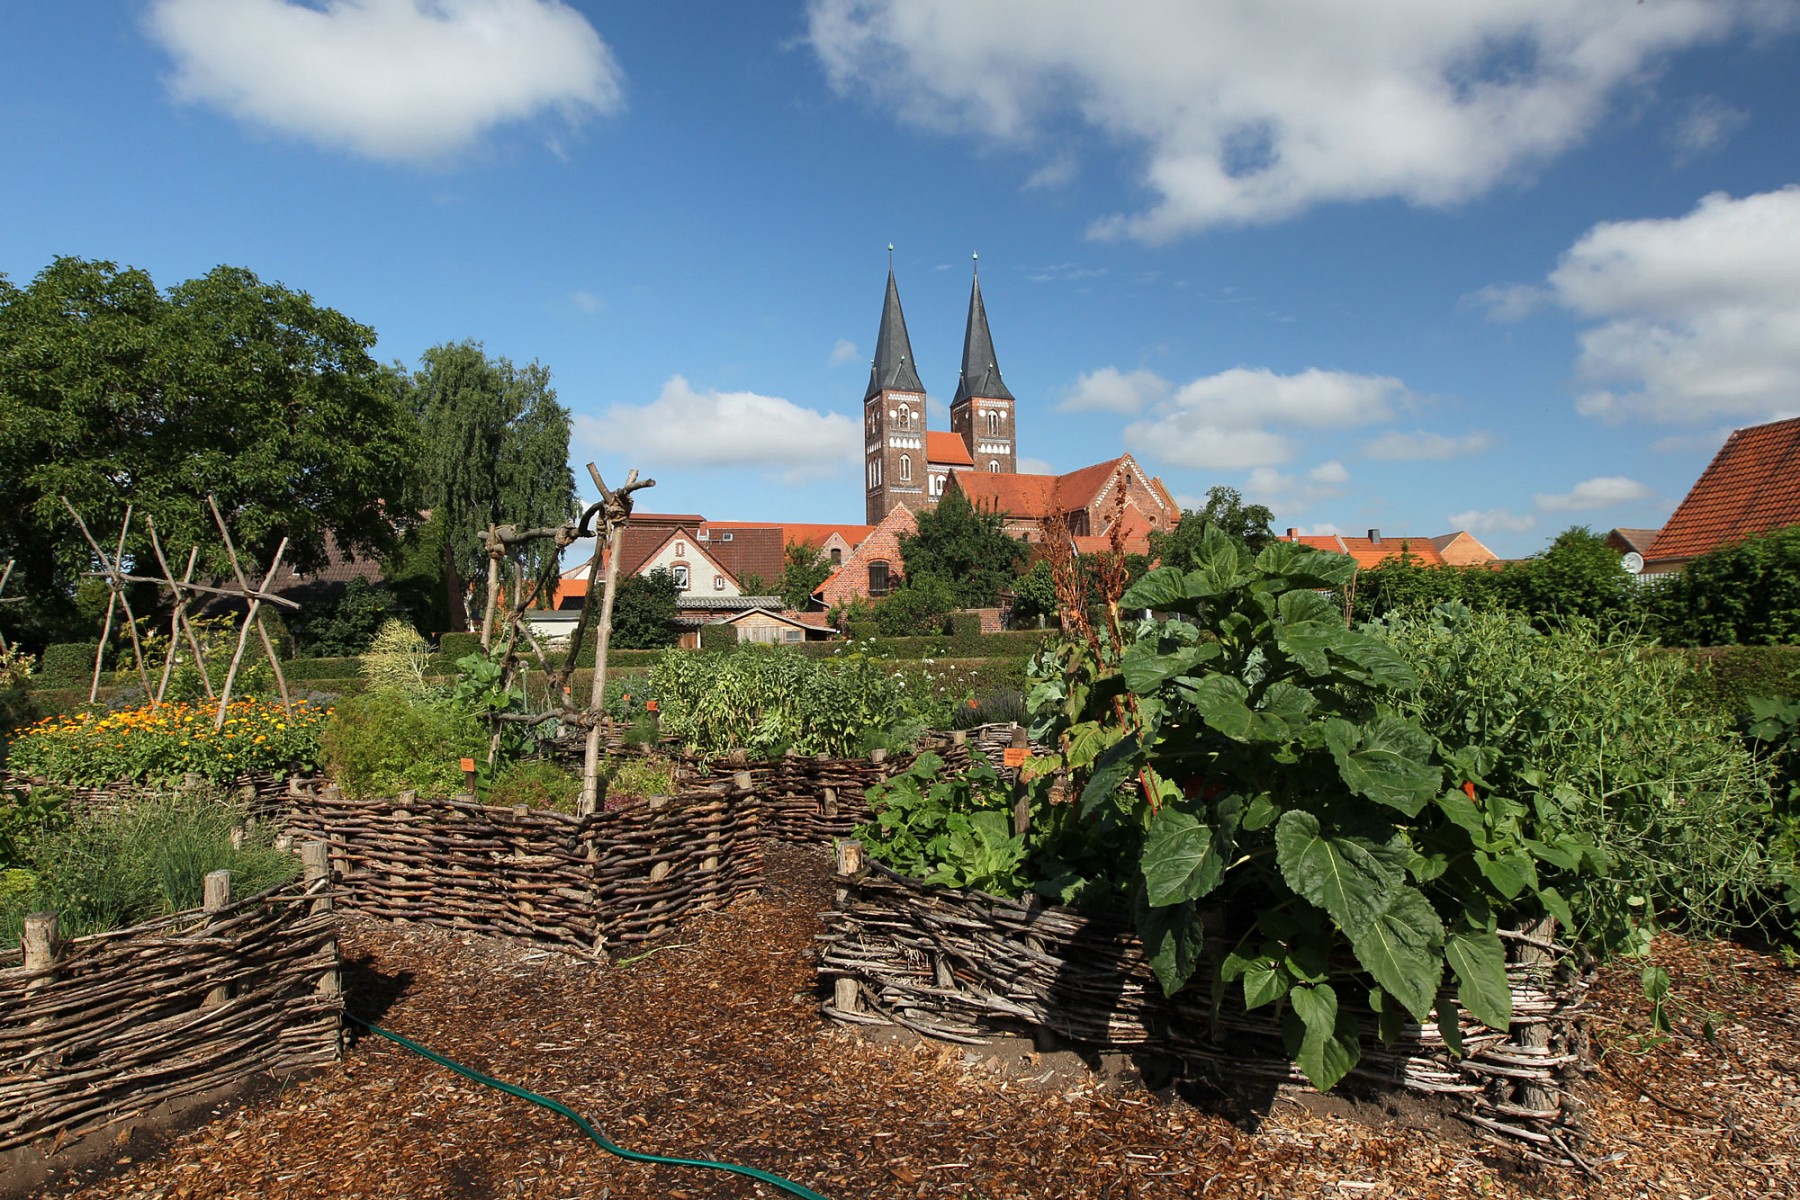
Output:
x=711 y=1046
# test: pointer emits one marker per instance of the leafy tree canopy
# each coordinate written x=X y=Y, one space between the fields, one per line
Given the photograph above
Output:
x=113 y=392
x=803 y=569
x=918 y=608
x=496 y=451
x=643 y=616
x=1249 y=525
x=965 y=548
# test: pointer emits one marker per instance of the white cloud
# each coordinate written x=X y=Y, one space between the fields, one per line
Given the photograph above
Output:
x=1251 y=112
x=691 y=429
x=1492 y=520
x=1507 y=302
x=1279 y=490
x=1698 y=316
x=1243 y=417
x=1322 y=529
x=399 y=80
x=587 y=302
x=1603 y=492
x=1035 y=466
x=845 y=351
x=1059 y=172
x=1329 y=474
x=1706 y=124
x=1395 y=446
x=1112 y=390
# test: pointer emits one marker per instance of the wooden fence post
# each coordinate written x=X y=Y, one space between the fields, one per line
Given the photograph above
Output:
x=846 y=993
x=42 y=943
x=215 y=897
x=316 y=859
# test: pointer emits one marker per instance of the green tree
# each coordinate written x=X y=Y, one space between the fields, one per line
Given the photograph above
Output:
x=803 y=569
x=114 y=393
x=1036 y=591
x=1579 y=575
x=346 y=623
x=917 y=608
x=496 y=451
x=1747 y=593
x=1246 y=524
x=643 y=616
x=965 y=548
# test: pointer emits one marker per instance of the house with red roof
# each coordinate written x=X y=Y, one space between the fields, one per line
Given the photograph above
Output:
x=1751 y=486
x=1086 y=502
x=1459 y=549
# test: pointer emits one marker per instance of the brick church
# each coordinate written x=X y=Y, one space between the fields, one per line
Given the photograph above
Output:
x=908 y=466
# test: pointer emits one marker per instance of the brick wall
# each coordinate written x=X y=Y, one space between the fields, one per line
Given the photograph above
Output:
x=883 y=545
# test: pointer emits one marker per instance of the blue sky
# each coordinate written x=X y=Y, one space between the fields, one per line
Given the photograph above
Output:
x=1403 y=264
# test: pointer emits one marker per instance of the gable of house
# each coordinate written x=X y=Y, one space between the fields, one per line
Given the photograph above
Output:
x=1751 y=486
x=1374 y=549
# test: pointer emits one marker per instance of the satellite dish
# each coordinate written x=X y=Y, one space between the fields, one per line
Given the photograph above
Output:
x=1633 y=562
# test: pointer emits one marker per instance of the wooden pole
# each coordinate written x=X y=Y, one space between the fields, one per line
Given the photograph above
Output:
x=496 y=551
x=315 y=859
x=216 y=895
x=41 y=940
x=615 y=513
x=846 y=993
x=254 y=599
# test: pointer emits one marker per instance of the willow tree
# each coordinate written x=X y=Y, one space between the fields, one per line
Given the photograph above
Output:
x=496 y=451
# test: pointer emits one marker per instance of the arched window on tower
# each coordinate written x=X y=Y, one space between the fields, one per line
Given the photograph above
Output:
x=906 y=416
x=993 y=466
x=906 y=468
x=993 y=423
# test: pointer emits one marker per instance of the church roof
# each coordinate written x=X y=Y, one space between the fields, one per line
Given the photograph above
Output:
x=942 y=446
x=893 y=367
x=980 y=368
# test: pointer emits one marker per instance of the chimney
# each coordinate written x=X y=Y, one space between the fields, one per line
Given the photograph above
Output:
x=1293 y=533
x=1375 y=536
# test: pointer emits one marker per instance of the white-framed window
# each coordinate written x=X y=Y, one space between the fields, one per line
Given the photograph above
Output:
x=906 y=468
x=680 y=572
x=718 y=583
x=993 y=466
x=993 y=423
x=906 y=416
x=874 y=473
x=680 y=548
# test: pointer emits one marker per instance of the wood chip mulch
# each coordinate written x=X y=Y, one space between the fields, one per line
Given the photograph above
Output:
x=712 y=1047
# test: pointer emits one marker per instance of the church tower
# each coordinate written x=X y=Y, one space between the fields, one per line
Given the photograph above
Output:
x=893 y=416
x=982 y=413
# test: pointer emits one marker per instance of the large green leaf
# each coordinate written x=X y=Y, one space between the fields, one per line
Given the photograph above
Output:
x=1180 y=861
x=1115 y=765
x=1169 y=589
x=1304 y=567
x=1403 y=948
x=1368 y=659
x=1387 y=760
x=1173 y=939
x=1338 y=874
x=1324 y=1054
x=1479 y=961
x=1146 y=665
x=1510 y=873
x=1306 y=645
x=1305 y=607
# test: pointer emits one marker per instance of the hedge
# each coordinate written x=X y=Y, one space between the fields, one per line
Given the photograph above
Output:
x=452 y=646
x=68 y=660
x=1731 y=675
x=321 y=668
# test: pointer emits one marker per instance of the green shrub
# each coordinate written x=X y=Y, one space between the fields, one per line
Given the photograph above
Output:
x=1605 y=745
x=1730 y=677
x=381 y=743
x=309 y=670
x=452 y=646
x=535 y=784
x=396 y=660
x=965 y=633
x=718 y=636
x=1747 y=593
x=149 y=860
x=68 y=661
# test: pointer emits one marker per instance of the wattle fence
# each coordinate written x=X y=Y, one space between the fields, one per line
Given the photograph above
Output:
x=961 y=966
x=103 y=1029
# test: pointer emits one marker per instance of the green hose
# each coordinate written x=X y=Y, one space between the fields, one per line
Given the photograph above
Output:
x=786 y=1185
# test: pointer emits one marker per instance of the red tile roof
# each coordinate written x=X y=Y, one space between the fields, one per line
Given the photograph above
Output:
x=1368 y=552
x=805 y=533
x=1012 y=495
x=1078 y=489
x=1751 y=486
x=945 y=447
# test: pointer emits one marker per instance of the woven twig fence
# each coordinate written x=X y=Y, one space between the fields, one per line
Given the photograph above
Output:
x=102 y=1029
x=960 y=965
x=616 y=877
x=264 y=795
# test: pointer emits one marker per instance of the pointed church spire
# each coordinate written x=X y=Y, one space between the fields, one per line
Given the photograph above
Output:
x=980 y=368
x=893 y=366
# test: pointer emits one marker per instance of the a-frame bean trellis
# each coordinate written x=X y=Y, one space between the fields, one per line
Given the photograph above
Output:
x=613 y=512
x=6 y=574
x=118 y=578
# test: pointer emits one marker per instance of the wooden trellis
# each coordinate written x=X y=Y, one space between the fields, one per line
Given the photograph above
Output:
x=613 y=510
x=185 y=590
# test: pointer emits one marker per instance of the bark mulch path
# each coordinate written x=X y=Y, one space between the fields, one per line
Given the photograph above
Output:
x=712 y=1047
